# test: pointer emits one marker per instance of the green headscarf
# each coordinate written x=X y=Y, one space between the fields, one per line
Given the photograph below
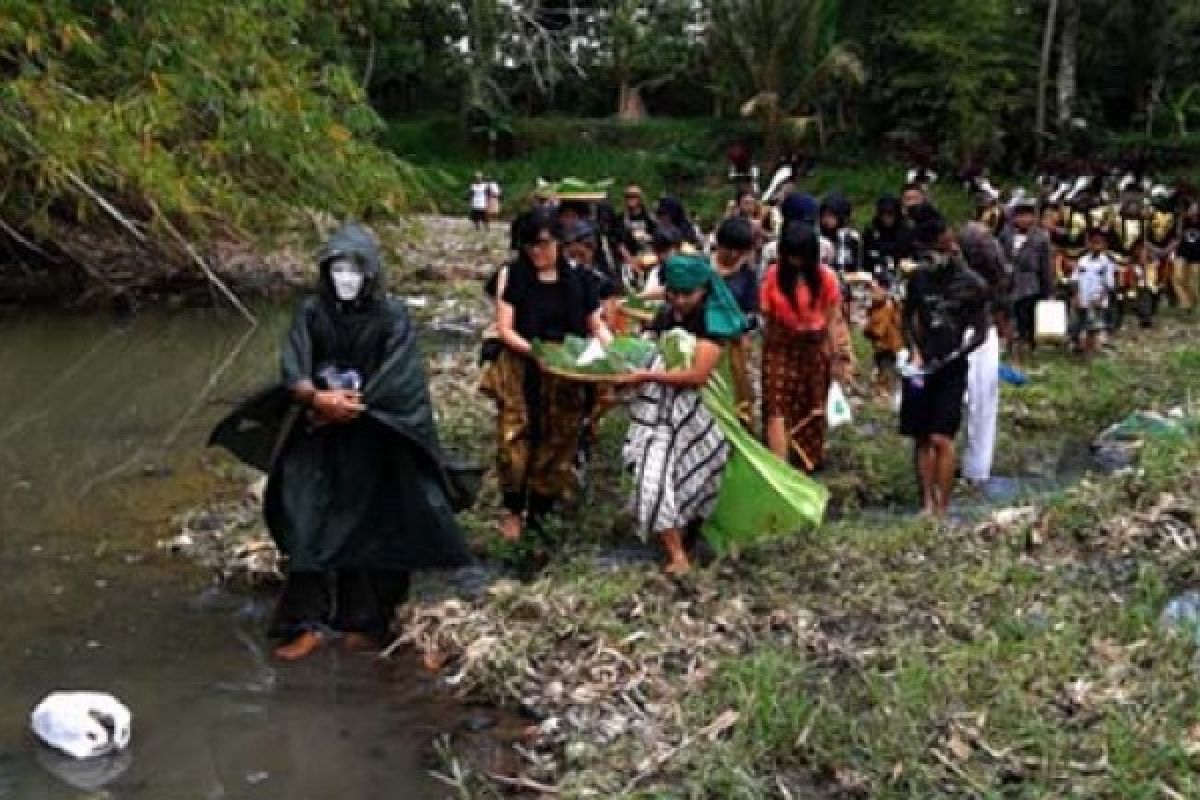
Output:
x=687 y=273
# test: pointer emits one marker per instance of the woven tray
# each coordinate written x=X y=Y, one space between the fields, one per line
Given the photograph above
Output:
x=584 y=377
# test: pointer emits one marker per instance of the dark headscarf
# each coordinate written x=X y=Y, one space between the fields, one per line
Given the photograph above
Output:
x=799 y=207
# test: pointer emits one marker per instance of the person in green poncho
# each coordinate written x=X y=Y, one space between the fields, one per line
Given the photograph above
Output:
x=675 y=449
x=359 y=492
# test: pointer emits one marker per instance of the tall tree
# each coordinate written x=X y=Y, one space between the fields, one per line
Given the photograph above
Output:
x=782 y=54
x=1068 y=54
x=1044 y=74
x=650 y=44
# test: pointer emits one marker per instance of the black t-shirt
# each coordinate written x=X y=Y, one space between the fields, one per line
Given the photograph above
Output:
x=1189 y=244
x=945 y=302
x=693 y=323
x=544 y=310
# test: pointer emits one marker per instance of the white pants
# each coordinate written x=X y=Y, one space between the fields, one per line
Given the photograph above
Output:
x=983 y=402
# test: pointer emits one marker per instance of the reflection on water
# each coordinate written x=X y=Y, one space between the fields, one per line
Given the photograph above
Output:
x=100 y=430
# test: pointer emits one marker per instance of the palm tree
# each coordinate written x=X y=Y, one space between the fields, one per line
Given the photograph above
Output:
x=783 y=54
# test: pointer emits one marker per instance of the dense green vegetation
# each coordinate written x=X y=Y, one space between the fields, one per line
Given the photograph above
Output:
x=233 y=116
x=211 y=113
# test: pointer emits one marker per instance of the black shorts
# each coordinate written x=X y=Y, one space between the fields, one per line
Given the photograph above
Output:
x=478 y=215
x=937 y=406
x=1025 y=314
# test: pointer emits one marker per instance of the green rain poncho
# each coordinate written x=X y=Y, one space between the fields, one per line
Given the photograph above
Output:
x=372 y=493
x=761 y=497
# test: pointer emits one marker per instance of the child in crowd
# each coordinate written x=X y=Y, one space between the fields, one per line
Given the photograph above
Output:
x=1144 y=270
x=1094 y=279
x=884 y=332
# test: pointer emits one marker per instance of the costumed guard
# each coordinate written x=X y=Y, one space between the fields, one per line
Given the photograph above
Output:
x=359 y=492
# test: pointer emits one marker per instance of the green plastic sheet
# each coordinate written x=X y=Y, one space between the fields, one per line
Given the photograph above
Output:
x=761 y=497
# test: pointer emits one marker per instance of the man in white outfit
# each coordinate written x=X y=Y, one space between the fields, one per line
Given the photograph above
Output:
x=983 y=404
x=985 y=256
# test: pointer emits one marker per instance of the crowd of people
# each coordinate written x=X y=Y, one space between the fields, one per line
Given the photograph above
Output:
x=360 y=492
x=940 y=304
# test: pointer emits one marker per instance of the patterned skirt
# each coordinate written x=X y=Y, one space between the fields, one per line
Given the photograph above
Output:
x=539 y=418
x=796 y=378
x=676 y=454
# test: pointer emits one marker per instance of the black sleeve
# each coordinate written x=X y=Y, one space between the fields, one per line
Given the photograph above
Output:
x=590 y=295
x=513 y=295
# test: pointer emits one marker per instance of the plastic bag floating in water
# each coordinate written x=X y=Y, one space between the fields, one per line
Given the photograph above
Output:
x=83 y=724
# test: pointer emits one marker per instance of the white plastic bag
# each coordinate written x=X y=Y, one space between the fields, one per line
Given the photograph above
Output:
x=837 y=408
x=83 y=724
x=592 y=353
x=1050 y=321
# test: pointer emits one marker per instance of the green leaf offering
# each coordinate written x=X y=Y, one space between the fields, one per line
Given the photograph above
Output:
x=622 y=356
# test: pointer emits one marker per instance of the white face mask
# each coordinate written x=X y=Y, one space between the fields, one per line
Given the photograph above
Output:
x=347 y=279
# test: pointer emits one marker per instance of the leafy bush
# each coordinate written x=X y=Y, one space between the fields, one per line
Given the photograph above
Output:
x=212 y=113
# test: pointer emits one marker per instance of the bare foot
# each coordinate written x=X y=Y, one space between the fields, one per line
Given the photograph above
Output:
x=677 y=567
x=359 y=643
x=510 y=527
x=301 y=647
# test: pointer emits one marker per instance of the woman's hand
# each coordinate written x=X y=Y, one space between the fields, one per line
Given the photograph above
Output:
x=338 y=405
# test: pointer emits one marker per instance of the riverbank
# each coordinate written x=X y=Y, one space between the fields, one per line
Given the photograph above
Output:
x=880 y=657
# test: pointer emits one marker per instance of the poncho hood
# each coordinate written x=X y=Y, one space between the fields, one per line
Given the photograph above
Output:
x=356 y=242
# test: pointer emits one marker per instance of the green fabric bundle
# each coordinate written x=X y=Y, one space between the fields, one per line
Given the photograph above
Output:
x=761 y=496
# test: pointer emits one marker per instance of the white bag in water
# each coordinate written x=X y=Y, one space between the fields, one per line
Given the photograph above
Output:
x=83 y=724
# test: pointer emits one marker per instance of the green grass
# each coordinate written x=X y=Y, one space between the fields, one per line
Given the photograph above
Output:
x=680 y=156
x=943 y=663
x=955 y=676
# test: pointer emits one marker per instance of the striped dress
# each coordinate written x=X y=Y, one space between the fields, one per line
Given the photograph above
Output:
x=676 y=454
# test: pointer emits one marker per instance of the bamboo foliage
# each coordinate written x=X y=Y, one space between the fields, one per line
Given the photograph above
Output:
x=215 y=113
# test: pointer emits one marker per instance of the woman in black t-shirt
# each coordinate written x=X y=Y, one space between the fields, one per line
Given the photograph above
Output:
x=539 y=416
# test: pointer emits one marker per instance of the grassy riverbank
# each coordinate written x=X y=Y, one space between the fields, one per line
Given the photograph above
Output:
x=878 y=657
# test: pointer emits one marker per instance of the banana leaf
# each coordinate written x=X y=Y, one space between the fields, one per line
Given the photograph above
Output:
x=761 y=497
x=622 y=356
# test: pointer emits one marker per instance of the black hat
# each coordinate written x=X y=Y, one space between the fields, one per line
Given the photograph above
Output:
x=736 y=233
x=666 y=237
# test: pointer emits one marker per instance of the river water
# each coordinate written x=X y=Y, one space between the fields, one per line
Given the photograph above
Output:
x=102 y=426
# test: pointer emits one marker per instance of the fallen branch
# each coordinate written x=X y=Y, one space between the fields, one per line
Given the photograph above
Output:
x=16 y=236
x=524 y=783
x=208 y=272
x=101 y=201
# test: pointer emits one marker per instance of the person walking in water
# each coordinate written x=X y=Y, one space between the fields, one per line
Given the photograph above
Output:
x=359 y=492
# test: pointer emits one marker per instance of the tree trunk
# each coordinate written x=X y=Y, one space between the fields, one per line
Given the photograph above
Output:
x=1044 y=76
x=1068 y=53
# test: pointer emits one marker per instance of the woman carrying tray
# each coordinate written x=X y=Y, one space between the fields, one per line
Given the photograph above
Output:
x=675 y=449
x=539 y=416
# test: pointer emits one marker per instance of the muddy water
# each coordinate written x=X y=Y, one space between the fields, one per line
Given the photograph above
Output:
x=101 y=438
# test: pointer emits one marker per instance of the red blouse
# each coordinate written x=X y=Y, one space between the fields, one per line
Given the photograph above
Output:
x=803 y=317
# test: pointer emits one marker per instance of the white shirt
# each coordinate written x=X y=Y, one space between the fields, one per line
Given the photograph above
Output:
x=479 y=196
x=1095 y=276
